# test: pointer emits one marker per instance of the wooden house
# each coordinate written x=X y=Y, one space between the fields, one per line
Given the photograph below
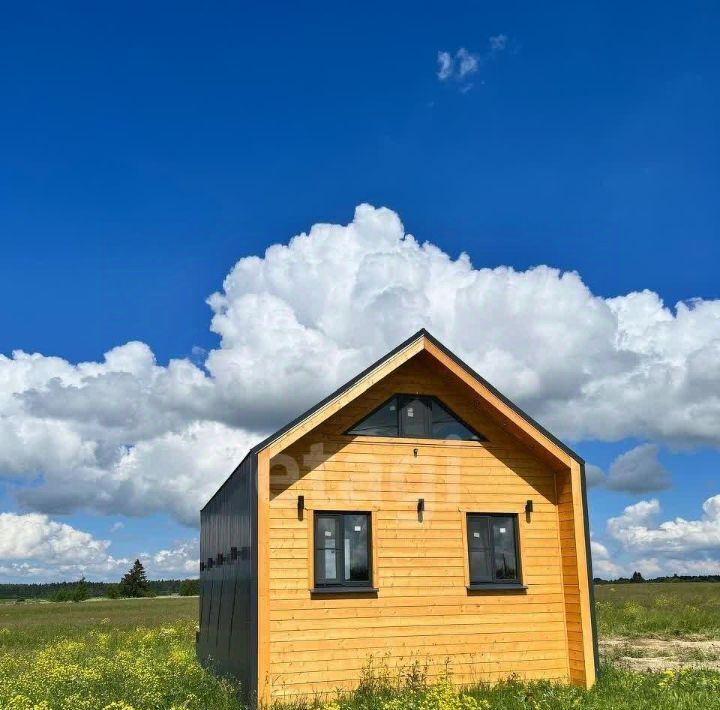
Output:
x=415 y=514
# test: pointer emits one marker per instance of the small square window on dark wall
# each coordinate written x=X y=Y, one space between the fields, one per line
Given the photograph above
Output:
x=343 y=551
x=493 y=552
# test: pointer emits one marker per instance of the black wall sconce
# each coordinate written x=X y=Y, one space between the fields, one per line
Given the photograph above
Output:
x=210 y=563
x=220 y=559
x=233 y=553
x=301 y=505
x=202 y=566
x=528 y=507
x=421 y=509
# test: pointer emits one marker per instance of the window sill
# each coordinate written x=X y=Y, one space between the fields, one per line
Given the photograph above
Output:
x=344 y=590
x=496 y=588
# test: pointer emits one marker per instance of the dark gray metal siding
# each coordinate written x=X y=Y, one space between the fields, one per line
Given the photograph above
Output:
x=227 y=642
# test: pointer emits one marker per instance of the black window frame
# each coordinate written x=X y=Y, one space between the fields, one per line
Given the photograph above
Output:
x=401 y=400
x=493 y=583
x=342 y=585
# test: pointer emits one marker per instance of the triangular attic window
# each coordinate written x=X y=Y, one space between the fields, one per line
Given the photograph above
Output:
x=415 y=416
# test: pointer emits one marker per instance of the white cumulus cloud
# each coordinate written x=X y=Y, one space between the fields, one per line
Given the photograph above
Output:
x=602 y=564
x=636 y=530
x=178 y=561
x=594 y=475
x=642 y=542
x=498 y=43
x=458 y=66
x=35 y=547
x=127 y=435
x=445 y=65
x=463 y=64
x=173 y=472
x=635 y=471
x=35 y=536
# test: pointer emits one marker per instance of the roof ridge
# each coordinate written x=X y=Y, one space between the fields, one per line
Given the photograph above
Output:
x=421 y=333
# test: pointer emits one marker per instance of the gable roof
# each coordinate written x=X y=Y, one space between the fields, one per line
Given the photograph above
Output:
x=420 y=341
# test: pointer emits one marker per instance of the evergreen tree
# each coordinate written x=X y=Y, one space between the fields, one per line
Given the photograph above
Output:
x=637 y=577
x=80 y=592
x=189 y=587
x=134 y=583
x=63 y=594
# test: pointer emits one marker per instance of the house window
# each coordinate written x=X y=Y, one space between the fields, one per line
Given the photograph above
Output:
x=493 y=553
x=342 y=550
x=416 y=417
x=381 y=422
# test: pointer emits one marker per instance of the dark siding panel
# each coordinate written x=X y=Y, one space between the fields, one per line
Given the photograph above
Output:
x=227 y=641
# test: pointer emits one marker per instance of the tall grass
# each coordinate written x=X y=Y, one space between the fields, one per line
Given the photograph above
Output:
x=155 y=669
x=139 y=655
x=109 y=669
x=616 y=690
x=664 y=610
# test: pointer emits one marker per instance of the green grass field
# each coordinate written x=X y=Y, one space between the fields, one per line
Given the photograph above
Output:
x=666 y=610
x=139 y=654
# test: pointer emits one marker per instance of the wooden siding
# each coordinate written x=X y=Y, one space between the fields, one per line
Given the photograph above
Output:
x=423 y=610
x=575 y=577
x=571 y=582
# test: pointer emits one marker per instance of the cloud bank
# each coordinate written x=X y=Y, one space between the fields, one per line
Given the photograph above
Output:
x=131 y=436
x=34 y=547
x=635 y=471
x=678 y=546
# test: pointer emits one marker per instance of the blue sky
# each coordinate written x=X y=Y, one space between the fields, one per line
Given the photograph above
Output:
x=145 y=150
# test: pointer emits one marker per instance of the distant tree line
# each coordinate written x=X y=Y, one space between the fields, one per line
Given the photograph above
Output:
x=638 y=578
x=133 y=584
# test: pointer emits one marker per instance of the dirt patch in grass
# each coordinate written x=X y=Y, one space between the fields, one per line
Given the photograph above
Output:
x=651 y=654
